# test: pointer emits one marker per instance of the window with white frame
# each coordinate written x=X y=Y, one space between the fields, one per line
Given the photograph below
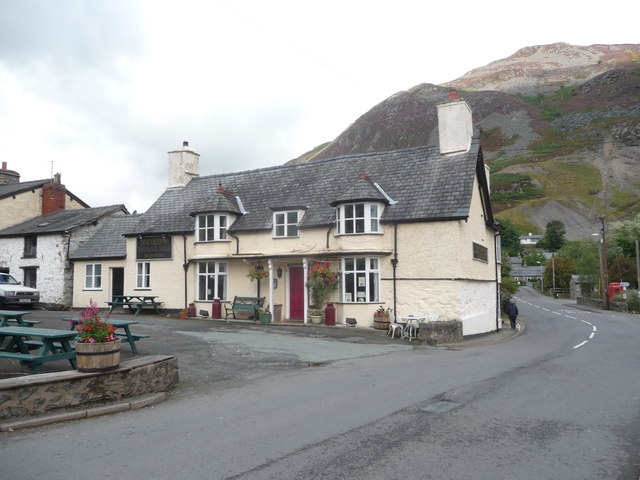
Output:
x=212 y=281
x=212 y=227
x=360 y=279
x=143 y=277
x=285 y=224
x=354 y=218
x=93 y=276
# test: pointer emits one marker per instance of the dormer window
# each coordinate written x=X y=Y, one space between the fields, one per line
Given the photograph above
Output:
x=212 y=227
x=358 y=218
x=285 y=224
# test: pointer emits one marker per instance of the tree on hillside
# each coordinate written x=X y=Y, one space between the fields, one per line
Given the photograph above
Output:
x=554 y=236
x=535 y=257
x=563 y=268
x=510 y=238
x=586 y=259
x=627 y=233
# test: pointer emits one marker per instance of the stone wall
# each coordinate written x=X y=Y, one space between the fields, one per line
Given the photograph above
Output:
x=597 y=303
x=36 y=394
x=448 y=331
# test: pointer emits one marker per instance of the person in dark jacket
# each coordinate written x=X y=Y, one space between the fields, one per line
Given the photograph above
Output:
x=512 y=311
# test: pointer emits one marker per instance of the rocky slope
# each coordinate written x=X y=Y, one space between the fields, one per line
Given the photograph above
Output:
x=560 y=129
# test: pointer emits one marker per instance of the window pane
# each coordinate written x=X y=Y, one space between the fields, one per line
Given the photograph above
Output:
x=360 y=225
x=348 y=264
x=279 y=230
x=348 y=226
x=361 y=264
x=360 y=210
x=221 y=292
x=293 y=230
x=279 y=218
x=348 y=211
x=349 y=287
x=374 y=210
x=292 y=217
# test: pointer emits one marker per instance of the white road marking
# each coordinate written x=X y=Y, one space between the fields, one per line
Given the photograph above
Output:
x=580 y=344
x=591 y=336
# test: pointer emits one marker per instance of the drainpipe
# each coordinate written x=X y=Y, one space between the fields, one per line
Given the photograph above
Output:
x=185 y=266
x=270 y=263
x=305 y=272
x=237 y=242
x=495 y=249
x=394 y=265
x=328 y=236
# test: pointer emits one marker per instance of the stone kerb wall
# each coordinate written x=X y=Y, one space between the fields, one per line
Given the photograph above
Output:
x=449 y=331
x=36 y=394
x=597 y=303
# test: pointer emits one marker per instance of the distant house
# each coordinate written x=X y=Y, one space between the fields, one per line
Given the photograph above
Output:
x=20 y=201
x=411 y=230
x=37 y=251
x=530 y=240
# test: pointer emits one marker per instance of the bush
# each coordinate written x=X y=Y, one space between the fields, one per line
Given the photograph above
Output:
x=633 y=302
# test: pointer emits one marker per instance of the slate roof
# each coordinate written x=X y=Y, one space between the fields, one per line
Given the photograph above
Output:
x=362 y=190
x=11 y=189
x=60 y=222
x=424 y=185
x=108 y=240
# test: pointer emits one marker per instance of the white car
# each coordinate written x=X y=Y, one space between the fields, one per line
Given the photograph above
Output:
x=13 y=293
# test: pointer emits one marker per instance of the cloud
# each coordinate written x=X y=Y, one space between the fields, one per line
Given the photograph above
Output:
x=100 y=90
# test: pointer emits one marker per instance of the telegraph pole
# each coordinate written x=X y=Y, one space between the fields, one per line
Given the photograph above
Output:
x=605 y=269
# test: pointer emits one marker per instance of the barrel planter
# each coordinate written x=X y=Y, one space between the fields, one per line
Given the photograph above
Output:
x=98 y=356
x=380 y=323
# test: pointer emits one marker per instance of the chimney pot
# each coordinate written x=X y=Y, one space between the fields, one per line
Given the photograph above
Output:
x=453 y=95
x=185 y=144
x=4 y=165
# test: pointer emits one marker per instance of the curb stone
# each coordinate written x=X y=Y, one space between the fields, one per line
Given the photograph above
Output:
x=85 y=413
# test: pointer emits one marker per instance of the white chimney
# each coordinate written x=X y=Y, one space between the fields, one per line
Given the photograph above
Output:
x=455 y=126
x=184 y=165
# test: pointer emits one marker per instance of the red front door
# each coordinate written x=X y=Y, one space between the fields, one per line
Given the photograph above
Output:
x=296 y=293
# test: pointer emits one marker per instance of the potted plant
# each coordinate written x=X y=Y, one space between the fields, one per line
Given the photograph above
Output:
x=321 y=282
x=264 y=315
x=381 y=318
x=98 y=348
x=315 y=316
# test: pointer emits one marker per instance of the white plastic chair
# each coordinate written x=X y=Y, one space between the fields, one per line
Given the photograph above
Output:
x=393 y=326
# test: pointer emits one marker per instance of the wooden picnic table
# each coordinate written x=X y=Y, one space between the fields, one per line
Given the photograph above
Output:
x=127 y=335
x=7 y=316
x=137 y=302
x=16 y=342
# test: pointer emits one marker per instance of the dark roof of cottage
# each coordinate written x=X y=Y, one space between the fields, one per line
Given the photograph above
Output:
x=220 y=200
x=60 y=222
x=108 y=240
x=424 y=186
x=11 y=189
x=362 y=190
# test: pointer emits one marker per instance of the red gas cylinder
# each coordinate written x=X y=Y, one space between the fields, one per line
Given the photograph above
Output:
x=330 y=314
x=216 y=308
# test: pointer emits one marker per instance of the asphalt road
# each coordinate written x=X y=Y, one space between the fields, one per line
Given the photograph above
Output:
x=560 y=401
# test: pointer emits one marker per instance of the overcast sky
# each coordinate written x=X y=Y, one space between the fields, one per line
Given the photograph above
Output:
x=101 y=90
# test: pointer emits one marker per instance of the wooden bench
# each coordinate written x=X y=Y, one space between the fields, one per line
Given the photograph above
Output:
x=24 y=323
x=244 y=305
x=138 y=305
